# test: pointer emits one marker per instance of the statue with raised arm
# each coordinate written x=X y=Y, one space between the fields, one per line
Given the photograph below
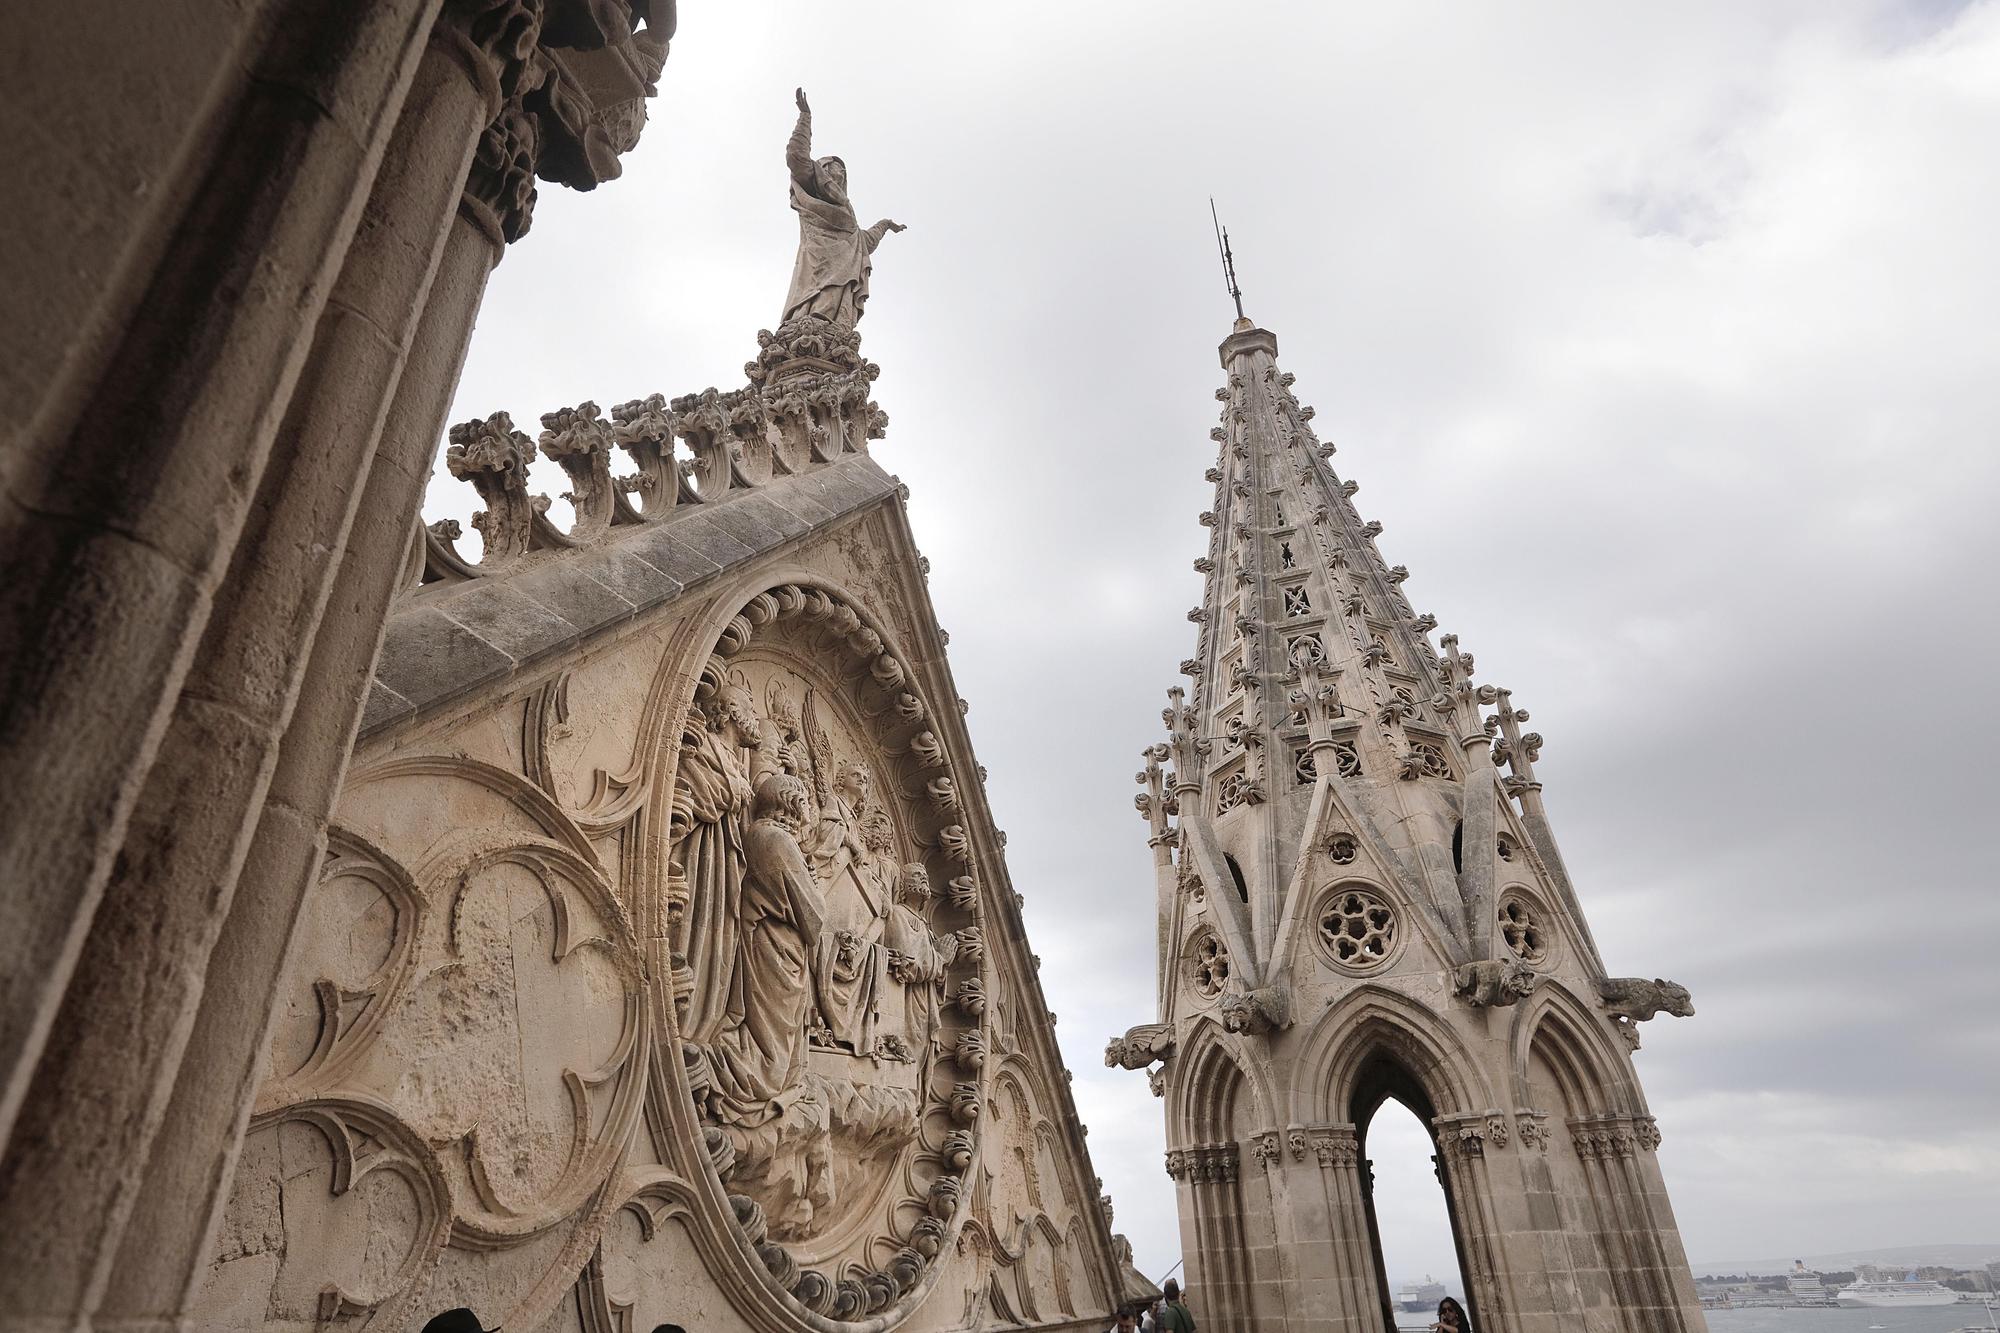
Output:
x=830 y=280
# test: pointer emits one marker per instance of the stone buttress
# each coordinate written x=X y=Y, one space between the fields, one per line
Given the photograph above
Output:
x=1360 y=897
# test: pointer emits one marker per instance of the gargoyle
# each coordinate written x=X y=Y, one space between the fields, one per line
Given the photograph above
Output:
x=1495 y=982
x=1140 y=1046
x=1637 y=999
x=1256 y=1012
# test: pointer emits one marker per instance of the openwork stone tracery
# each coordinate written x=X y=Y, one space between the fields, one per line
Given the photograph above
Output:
x=1358 y=929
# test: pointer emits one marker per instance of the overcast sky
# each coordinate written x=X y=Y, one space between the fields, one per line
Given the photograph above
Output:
x=1660 y=339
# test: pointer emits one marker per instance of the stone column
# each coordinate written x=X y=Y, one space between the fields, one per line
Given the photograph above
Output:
x=1216 y=1262
x=1322 y=1229
x=1482 y=1232
x=1611 y=1146
x=1337 y=1154
x=168 y=1246
x=119 y=525
x=101 y=1093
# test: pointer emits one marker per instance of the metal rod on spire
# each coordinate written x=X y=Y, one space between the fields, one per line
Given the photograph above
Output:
x=1228 y=258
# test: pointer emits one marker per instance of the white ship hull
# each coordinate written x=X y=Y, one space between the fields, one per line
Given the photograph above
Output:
x=1885 y=1297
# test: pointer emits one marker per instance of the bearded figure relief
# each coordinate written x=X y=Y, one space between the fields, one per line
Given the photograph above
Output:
x=758 y=1058
x=819 y=1036
x=721 y=756
x=919 y=959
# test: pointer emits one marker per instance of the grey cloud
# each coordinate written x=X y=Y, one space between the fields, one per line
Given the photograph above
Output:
x=1717 y=513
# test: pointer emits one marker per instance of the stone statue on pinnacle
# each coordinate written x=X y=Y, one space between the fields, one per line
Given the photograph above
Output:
x=830 y=279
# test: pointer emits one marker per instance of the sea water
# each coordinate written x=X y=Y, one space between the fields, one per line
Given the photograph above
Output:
x=1804 y=1319
x=1801 y=1319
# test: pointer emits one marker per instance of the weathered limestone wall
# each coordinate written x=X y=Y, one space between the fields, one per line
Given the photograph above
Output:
x=496 y=1066
x=245 y=280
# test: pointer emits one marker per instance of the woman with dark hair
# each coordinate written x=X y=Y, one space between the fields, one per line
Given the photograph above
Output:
x=1451 y=1318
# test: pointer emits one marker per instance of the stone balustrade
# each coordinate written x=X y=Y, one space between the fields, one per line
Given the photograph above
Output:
x=806 y=405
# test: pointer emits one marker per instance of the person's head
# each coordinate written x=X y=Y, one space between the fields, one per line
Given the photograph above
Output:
x=1128 y=1319
x=878 y=831
x=1172 y=1289
x=915 y=888
x=832 y=173
x=735 y=710
x=851 y=781
x=1451 y=1316
x=782 y=797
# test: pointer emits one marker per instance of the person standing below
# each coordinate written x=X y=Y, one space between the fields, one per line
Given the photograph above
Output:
x=1451 y=1318
x=1125 y=1321
x=1173 y=1316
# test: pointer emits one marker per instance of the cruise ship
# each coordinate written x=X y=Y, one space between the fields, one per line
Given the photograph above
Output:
x=1413 y=1298
x=1883 y=1295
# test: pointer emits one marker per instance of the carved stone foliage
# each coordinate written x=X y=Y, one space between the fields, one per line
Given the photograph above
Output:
x=1612 y=1137
x=1334 y=1145
x=1204 y=1163
x=832 y=1026
x=807 y=404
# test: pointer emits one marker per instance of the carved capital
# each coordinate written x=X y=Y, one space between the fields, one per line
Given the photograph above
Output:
x=498 y=37
x=1334 y=1145
x=500 y=189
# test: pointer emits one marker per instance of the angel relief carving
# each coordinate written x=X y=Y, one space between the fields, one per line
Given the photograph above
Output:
x=818 y=977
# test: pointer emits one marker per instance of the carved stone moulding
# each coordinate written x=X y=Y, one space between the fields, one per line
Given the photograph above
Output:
x=323 y=1170
x=834 y=1035
x=457 y=1064
x=465 y=963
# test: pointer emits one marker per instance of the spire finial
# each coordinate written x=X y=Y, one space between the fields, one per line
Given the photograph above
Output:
x=1228 y=262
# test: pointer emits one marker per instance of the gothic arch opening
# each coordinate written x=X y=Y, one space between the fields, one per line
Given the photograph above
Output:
x=1393 y=1119
x=1236 y=875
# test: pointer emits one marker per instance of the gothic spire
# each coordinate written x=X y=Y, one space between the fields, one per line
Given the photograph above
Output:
x=1312 y=671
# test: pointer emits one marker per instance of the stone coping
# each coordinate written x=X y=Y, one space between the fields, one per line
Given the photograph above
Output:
x=447 y=642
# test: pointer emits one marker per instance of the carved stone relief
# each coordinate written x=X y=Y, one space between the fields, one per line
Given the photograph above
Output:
x=832 y=940
x=460 y=1060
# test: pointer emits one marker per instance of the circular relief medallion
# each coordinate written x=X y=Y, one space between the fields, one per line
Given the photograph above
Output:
x=1520 y=922
x=1208 y=965
x=1357 y=928
x=825 y=926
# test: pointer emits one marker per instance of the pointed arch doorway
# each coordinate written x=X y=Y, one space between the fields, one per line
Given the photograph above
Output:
x=1384 y=1086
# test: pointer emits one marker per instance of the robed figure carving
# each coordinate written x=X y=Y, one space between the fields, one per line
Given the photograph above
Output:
x=722 y=758
x=830 y=280
x=758 y=1060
